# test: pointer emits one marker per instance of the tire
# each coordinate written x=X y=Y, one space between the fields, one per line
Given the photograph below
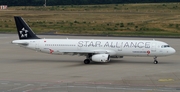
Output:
x=86 y=61
x=155 y=62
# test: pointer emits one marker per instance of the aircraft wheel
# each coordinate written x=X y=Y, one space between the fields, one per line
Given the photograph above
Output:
x=155 y=62
x=87 y=61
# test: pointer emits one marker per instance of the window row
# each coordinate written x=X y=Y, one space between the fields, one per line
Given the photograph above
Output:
x=60 y=45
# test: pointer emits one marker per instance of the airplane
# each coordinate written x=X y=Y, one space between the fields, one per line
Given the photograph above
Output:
x=95 y=50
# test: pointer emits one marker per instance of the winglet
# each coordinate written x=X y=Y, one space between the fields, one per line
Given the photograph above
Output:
x=24 y=31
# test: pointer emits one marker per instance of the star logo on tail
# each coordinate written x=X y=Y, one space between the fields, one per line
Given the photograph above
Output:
x=23 y=33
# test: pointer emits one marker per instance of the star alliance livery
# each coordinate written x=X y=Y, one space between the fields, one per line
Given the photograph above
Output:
x=94 y=50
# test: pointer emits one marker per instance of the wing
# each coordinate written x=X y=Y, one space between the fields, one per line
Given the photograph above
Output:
x=85 y=52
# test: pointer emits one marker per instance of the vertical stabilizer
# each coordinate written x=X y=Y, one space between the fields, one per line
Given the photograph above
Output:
x=24 y=31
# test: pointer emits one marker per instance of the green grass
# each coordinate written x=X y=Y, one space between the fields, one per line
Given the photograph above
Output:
x=160 y=19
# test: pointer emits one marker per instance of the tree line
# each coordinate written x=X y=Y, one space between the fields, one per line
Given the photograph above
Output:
x=75 y=2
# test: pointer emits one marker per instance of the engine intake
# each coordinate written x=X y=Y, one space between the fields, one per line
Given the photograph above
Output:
x=101 y=58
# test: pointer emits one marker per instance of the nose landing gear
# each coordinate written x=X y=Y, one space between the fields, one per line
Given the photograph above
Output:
x=155 y=60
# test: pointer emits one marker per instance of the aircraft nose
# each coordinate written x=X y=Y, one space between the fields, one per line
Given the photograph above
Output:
x=172 y=51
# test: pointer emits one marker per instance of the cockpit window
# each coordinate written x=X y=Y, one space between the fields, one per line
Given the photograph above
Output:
x=165 y=46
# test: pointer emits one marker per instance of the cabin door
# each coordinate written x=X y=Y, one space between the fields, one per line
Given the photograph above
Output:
x=153 y=47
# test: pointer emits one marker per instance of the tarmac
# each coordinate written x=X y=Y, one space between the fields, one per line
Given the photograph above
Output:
x=24 y=70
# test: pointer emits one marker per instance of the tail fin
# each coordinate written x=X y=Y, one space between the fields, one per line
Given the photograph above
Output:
x=24 y=31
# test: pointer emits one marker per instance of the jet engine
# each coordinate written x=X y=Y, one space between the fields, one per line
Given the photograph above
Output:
x=101 y=58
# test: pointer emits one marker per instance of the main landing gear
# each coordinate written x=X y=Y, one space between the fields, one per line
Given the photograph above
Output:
x=155 y=60
x=88 y=59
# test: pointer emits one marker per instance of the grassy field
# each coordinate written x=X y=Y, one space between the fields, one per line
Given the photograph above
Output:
x=162 y=19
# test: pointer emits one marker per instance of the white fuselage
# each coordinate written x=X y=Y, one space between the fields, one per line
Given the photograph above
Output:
x=115 y=48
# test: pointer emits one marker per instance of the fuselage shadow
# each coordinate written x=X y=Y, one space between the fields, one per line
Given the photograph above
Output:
x=79 y=63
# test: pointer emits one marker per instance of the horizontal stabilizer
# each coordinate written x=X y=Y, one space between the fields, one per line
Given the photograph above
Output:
x=20 y=42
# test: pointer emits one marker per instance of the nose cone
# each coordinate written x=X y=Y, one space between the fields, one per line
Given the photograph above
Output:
x=172 y=51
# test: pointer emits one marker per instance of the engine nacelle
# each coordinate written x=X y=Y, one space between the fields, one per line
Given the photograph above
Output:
x=101 y=58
